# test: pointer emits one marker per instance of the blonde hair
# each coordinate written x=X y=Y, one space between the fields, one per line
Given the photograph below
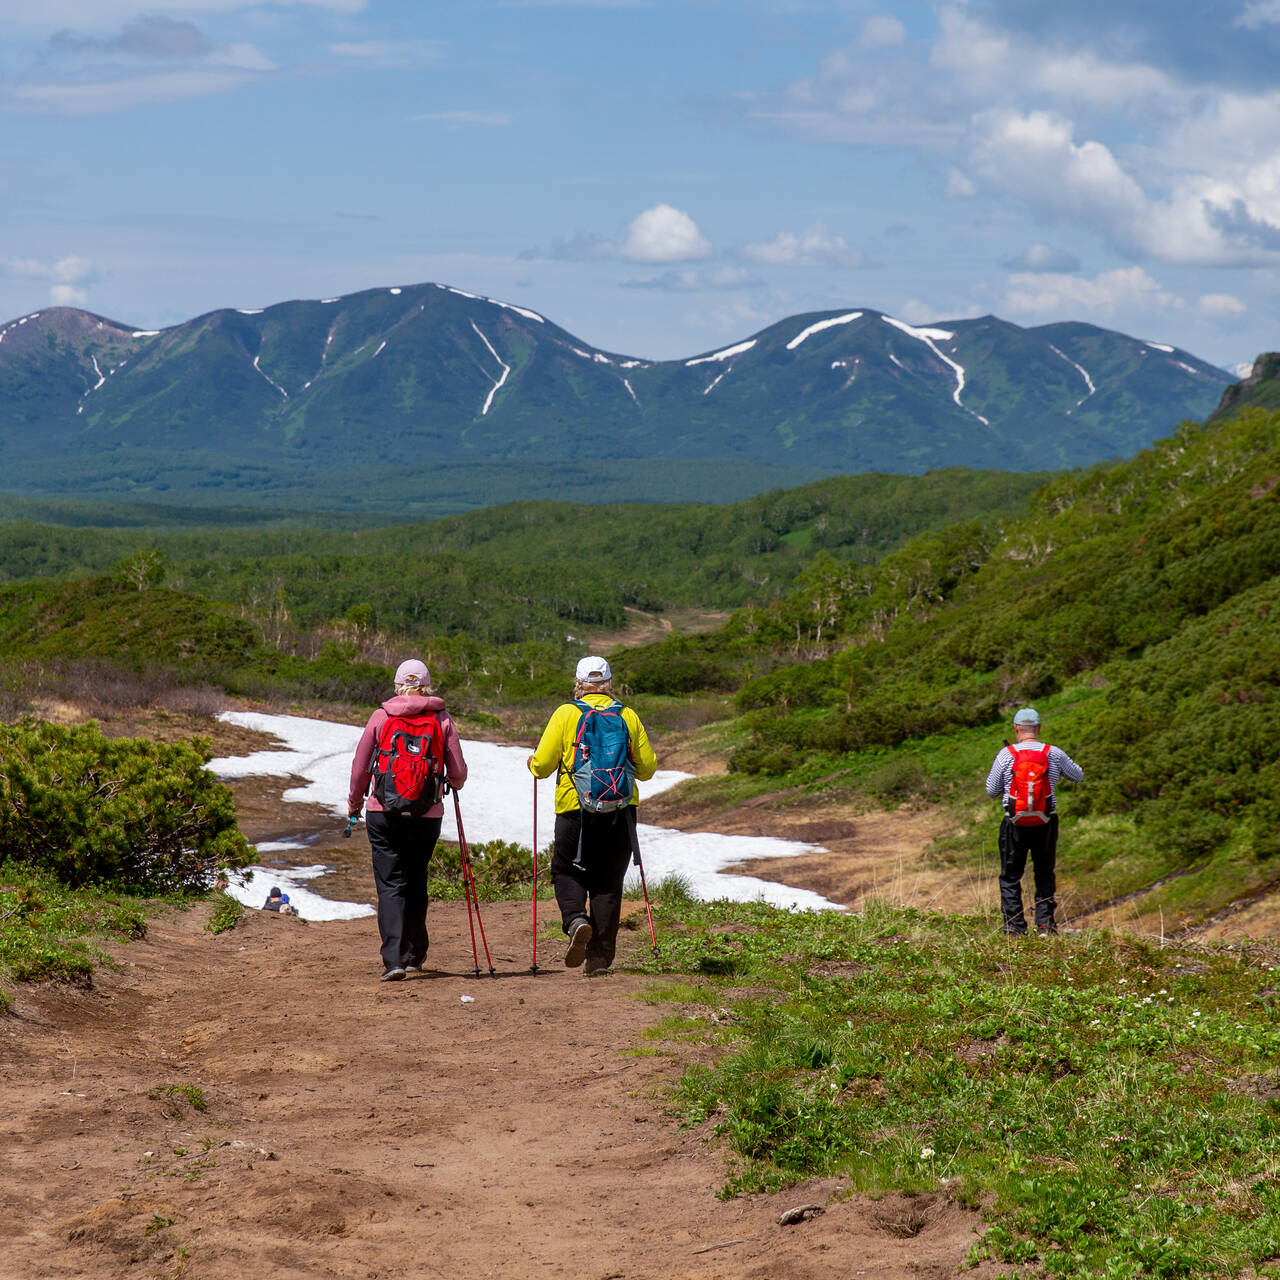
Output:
x=412 y=686
x=592 y=686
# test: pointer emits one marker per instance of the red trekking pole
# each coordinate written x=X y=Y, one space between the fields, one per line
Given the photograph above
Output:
x=469 y=887
x=533 y=968
x=635 y=853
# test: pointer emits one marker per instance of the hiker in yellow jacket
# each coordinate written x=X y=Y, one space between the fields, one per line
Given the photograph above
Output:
x=592 y=850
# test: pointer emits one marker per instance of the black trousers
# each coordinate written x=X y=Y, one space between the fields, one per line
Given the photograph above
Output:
x=1015 y=844
x=590 y=860
x=402 y=849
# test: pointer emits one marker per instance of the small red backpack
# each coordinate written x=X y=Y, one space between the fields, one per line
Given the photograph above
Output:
x=408 y=771
x=1029 y=797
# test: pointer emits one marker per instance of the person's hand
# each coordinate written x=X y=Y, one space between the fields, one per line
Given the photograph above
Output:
x=353 y=813
x=531 y=762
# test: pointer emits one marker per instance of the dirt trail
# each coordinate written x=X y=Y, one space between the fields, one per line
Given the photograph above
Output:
x=360 y=1129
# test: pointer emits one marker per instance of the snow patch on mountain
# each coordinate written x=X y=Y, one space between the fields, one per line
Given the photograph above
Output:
x=268 y=377
x=510 y=306
x=145 y=333
x=1159 y=346
x=243 y=312
x=1080 y=369
x=727 y=354
x=930 y=337
x=820 y=326
x=506 y=369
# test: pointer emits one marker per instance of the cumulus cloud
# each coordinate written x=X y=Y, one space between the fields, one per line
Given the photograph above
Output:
x=815 y=246
x=1042 y=257
x=959 y=185
x=152 y=36
x=1125 y=288
x=1259 y=14
x=694 y=280
x=664 y=234
x=1220 y=306
x=67 y=276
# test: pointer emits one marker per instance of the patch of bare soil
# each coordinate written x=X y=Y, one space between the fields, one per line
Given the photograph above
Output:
x=258 y=1103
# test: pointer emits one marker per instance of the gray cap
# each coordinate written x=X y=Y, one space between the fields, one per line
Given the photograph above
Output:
x=1027 y=716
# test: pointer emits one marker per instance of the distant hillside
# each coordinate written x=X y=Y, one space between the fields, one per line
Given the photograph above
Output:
x=427 y=398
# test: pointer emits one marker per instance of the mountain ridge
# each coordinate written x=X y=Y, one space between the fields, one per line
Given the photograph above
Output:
x=428 y=374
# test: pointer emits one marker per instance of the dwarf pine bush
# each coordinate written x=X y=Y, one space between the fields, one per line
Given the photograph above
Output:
x=141 y=816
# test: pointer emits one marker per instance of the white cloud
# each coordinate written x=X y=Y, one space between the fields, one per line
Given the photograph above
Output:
x=959 y=185
x=67 y=276
x=1221 y=305
x=664 y=234
x=882 y=32
x=68 y=270
x=99 y=96
x=814 y=247
x=1125 y=288
x=1259 y=14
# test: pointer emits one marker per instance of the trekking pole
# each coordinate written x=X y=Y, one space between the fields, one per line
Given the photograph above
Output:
x=635 y=853
x=533 y=968
x=469 y=883
x=653 y=937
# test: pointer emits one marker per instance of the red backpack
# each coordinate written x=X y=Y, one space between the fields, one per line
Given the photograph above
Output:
x=408 y=770
x=1028 y=801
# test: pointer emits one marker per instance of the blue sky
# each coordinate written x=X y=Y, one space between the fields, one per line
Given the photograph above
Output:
x=660 y=177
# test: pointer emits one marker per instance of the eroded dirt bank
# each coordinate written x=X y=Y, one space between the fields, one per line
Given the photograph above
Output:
x=358 y=1129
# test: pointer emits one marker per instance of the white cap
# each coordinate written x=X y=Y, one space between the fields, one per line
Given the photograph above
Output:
x=593 y=670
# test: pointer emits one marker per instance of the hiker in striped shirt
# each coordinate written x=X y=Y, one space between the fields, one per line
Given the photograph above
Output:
x=1024 y=776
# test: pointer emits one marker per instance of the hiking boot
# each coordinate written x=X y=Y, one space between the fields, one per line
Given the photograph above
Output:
x=413 y=971
x=595 y=969
x=1047 y=931
x=394 y=974
x=580 y=934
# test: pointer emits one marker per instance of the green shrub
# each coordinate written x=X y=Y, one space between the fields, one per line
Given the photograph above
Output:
x=141 y=816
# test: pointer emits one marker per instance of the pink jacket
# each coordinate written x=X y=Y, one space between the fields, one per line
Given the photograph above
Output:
x=406 y=704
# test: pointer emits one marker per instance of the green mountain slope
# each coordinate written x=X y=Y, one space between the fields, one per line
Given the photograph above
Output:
x=393 y=394
x=1137 y=601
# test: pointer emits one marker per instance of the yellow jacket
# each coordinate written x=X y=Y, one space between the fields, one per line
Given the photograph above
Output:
x=555 y=750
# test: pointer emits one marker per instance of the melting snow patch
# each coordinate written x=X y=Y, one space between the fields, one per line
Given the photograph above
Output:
x=727 y=354
x=714 y=381
x=326 y=301
x=243 y=312
x=497 y=805
x=591 y=355
x=510 y=306
x=268 y=377
x=626 y=382
x=1187 y=367
x=1088 y=381
x=1159 y=346
x=822 y=324
x=145 y=333
x=929 y=337
x=252 y=885
x=634 y=364
x=393 y=290
x=377 y=353
x=506 y=369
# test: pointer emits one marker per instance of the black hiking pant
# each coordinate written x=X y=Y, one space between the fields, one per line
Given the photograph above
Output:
x=402 y=849
x=1015 y=844
x=590 y=860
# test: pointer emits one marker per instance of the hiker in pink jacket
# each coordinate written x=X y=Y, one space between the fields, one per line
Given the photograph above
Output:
x=408 y=749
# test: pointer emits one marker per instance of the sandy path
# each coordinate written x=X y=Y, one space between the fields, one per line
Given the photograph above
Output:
x=357 y=1129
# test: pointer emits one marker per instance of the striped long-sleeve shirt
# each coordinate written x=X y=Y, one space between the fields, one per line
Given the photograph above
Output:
x=1061 y=765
